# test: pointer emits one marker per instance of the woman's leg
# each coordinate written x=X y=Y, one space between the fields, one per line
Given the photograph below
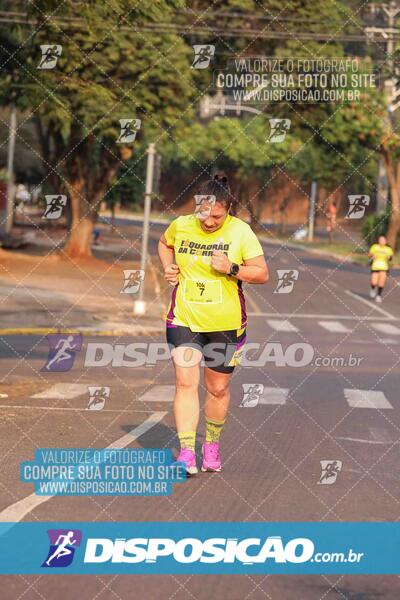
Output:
x=216 y=409
x=217 y=394
x=382 y=276
x=374 y=284
x=187 y=378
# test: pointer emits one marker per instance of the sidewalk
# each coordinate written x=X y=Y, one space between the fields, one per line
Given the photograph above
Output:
x=48 y=294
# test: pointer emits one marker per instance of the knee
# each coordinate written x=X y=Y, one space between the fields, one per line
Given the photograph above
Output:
x=184 y=382
x=218 y=390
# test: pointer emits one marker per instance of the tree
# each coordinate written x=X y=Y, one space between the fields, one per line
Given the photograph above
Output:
x=108 y=70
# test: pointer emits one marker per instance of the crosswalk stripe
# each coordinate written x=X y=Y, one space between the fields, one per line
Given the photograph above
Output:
x=366 y=399
x=280 y=325
x=274 y=395
x=334 y=326
x=63 y=391
x=269 y=395
x=159 y=393
x=386 y=328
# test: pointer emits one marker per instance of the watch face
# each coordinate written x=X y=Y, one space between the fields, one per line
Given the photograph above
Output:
x=234 y=269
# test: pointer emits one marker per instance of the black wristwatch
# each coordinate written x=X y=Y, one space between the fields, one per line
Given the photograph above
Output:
x=234 y=269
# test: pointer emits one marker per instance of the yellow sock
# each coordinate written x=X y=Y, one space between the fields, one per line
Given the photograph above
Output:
x=187 y=439
x=213 y=430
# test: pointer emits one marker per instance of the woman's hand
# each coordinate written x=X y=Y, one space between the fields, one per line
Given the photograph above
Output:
x=171 y=273
x=220 y=262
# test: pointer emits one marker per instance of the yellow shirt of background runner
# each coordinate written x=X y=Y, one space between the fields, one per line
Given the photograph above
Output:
x=206 y=300
x=381 y=256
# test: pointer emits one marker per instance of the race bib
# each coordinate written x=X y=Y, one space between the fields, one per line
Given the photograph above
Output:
x=202 y=292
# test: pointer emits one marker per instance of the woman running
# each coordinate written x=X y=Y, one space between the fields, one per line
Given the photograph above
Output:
x=206 y=256
x=380 y=254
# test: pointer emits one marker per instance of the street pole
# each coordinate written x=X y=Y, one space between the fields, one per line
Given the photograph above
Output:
x=140 y=304
x=311 y=214
x=8 y=221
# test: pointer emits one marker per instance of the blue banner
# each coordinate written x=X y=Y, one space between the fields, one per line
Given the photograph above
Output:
x=200 y=548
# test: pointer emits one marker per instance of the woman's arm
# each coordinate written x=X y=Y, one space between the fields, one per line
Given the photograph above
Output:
x=254 y=270
x=166 y=254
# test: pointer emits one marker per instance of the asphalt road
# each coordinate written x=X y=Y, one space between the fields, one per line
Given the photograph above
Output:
x=334 y=408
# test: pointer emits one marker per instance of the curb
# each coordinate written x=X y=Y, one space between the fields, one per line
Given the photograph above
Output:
x=293 y=245
x=92 y=331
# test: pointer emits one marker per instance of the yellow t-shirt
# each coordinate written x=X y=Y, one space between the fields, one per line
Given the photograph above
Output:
x=204 y=299
x=381 y=257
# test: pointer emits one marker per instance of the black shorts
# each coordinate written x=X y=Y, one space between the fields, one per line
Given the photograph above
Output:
x=380 y=271
x=221 y=349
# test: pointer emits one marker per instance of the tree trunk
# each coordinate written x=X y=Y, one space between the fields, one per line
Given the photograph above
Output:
x=79 y=243
x=393 y=175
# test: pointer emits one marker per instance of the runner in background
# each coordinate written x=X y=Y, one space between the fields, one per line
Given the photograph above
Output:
x=331 y=219
x=380 y=254
x=206 y=256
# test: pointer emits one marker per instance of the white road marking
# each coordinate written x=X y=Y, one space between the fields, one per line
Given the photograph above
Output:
x=280 y=325
x=388 y=341
x=252 y=302
x=17 y=511
x=386 y=328
x=371 y=305
x=63 y=391
x=295 y=315
x=380 y=435
x=274 y=395
x=334 y=326
x=361 y=441
x=366 y=399
x=159 y=393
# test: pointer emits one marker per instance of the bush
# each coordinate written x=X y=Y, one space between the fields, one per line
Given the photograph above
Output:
x=374 y=226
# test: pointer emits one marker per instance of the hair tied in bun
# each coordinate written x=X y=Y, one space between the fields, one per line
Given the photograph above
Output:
x=221 y=177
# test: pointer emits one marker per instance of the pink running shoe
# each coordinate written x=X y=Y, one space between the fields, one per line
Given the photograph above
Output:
x=188 y=457
x=211 y=457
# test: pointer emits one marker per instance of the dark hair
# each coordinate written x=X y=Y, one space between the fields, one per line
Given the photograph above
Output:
x=219 y=187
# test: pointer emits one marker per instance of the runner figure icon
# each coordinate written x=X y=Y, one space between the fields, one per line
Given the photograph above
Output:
x=62 y=549
x=357 y=206
x=203 y=53
x=287 y=279
x=55 y=206
x=50 y=55
x=97 y=397
x=279 y=129
x=63 y=347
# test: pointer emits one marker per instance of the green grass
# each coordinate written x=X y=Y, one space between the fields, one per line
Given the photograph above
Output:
x=352 y=251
